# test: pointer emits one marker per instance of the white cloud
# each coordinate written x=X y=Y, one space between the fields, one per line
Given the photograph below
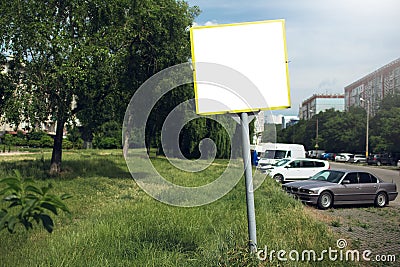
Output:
x=211 y=22
x=207 y=23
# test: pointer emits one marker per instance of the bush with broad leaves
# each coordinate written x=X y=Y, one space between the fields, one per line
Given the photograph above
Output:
x=28 y=204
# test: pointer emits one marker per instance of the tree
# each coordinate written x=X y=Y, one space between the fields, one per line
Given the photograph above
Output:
x=58 y=50
x=337 y=131
x=46 y=43
x=385 y=127
x=151 y=36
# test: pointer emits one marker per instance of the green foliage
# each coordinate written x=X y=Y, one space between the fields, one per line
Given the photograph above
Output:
x=20 y=141
x=107 y=142
x=9 y=139
x=269 y=134
x=46 y=141
x=36 y=135
x=197 y=130
x=95 y=52
x=34 y=143
x=385 y=125
x=346 y=130
x=33 y=139
x=74 y=138
x=66 y=144
x=109 y=136
x=28 y=203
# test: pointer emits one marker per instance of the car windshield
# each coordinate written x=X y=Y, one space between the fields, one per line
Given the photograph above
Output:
x=281 y=162
x=328 y=176
x=274 y=154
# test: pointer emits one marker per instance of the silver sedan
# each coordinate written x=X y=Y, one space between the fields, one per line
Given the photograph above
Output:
x=338 y=187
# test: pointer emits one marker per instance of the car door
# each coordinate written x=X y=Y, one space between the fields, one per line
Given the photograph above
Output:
x=307 y=169
x=341 y=158
x=368 y=186
x=348 y=192
x=291 y=171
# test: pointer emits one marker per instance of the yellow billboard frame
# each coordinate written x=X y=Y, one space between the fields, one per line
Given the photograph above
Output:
x=217 y=44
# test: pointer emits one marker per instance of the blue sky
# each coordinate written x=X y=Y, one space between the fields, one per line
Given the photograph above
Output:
x=331 y=43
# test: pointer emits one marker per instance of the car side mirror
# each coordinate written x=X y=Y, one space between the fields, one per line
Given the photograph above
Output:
x=346 y=182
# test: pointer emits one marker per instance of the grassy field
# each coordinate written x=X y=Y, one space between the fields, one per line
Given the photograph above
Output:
x=115 y=223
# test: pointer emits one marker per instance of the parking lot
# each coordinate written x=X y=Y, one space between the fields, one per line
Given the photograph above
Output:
x=366 y=227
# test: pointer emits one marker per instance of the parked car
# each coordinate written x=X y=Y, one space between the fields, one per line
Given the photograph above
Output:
x=295 y=169
x=344 y=157
x=358 y=158
x=334 y=187
x=315 y=154
x=381 y=159
x=328 y=156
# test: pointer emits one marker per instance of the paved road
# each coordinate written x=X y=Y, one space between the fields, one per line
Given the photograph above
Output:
x=367 y=227
x=384 y=173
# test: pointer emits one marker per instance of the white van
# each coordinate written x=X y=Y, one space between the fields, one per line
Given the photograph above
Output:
x=296 y=169
x=273 y=152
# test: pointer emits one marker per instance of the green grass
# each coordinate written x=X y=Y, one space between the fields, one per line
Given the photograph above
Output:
x=115 y=223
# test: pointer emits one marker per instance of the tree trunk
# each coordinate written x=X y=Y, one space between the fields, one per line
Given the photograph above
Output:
x=55 y=167
x=87 y=144
x=87 y=136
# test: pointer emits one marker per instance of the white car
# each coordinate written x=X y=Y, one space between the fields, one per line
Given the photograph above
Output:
x=358 y=158
x=295 y=169
x=344 y=157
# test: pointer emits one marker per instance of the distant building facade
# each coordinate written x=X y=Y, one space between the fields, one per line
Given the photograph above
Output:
x=258 y=127
x=289 y=121
x=321 y=102
x=284 y=120
x=273 y=119
x=374 y=86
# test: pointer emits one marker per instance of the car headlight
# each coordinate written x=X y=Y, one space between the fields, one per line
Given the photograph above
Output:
x=306 y=191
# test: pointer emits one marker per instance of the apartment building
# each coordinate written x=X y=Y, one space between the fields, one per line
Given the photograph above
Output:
x=373 y=87
x=320 y=102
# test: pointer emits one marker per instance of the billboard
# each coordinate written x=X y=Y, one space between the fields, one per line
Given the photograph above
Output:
x=240 y=67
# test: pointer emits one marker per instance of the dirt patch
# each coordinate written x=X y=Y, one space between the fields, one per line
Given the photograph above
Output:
x=12 y=153
x=367 y=228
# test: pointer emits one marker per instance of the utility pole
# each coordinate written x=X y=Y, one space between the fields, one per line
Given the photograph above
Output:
x=367 y=130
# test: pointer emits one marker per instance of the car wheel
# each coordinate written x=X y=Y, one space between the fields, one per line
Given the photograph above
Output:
x=279 y=178
x=381 y=199
x=325 y=200
x=378 y=163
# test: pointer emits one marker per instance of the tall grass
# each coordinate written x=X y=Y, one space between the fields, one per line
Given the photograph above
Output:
x=114 y=223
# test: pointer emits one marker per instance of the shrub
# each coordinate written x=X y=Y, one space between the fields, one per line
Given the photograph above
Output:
x=20 y=141
x=74 y=136
x=20 y=134
x=78 y=143
x=108 y=143
x=34 y=143
x=108 y=136
x=28 y=204
x=66 y=144
x=9 y=139
x=46 y=141
x=36 y=135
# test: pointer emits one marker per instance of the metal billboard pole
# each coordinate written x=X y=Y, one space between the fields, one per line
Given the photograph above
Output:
x=251 y=217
